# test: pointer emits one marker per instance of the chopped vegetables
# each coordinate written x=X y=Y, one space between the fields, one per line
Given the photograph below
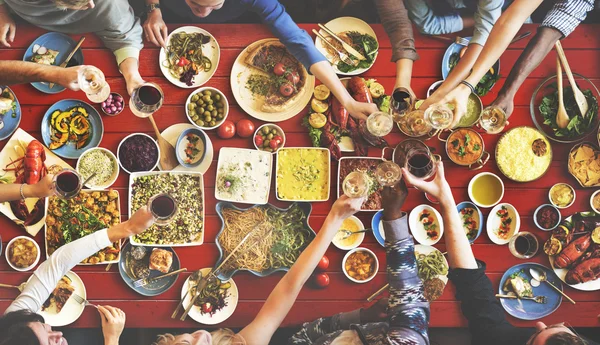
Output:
x=185 y=58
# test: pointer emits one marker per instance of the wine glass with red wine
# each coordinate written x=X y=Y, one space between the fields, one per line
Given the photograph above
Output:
x=420 y=163
x=163 y=208
x=146 y=100
x=523 y=245
x=67 y=184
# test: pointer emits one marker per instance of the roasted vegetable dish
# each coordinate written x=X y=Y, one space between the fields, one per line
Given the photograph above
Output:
x=70 y=126
x=88 y=212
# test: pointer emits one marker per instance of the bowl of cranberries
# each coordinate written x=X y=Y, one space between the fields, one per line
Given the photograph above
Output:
x=269 y=137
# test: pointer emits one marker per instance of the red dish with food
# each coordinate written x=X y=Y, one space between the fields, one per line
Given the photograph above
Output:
x=368 y=165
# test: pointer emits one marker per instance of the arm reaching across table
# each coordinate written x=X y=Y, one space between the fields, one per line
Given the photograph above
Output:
x=20 y=72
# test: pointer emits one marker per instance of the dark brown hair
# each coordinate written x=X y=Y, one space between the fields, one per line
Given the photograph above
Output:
x=565 y=338
x=14 y=328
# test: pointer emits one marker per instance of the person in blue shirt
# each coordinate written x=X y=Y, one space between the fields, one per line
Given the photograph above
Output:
x=273 y=14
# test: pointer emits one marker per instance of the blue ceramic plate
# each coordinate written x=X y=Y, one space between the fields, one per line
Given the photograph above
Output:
x=68 y=150
x=455 y=48
x=11 y=118
x=377 y=227
x=155 y=288
x=61 y=43
x=478 y=217
x=530 y=310
x=306 y=208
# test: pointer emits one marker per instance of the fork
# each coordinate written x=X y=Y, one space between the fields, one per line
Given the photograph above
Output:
x=83 y=301
x=145 y=281
x=343 y=57
x=536 y=299
x=20 y=287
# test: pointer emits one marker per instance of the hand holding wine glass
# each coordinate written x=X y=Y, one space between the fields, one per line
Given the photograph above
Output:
x=438 y=187
x=141 y=220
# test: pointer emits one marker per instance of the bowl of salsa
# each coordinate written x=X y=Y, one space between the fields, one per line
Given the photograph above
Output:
x=547 y=217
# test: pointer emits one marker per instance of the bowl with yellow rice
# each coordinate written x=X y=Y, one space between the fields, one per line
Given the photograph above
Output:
x=523 y=154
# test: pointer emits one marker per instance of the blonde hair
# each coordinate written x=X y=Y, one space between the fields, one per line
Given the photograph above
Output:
x=223 y=336
x=65 y=4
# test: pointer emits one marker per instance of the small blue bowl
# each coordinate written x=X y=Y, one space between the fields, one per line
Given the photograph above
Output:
x=535 y=217
x=466 y=204
x=378 y=228
x=181 y=142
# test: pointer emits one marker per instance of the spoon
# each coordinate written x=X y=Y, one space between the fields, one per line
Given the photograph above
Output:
x=580 y=99
x=541 y=276
x=562 y=118
x=348 y=233
x=168 y=159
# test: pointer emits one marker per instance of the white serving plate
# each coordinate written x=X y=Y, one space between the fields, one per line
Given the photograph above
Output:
x=417 y=229
x=172 y=133
x=340 y=190
x=328 y=172
x=227 y=151
x=240 y=73
x=221 y=315
x=81 y=264
x=132 y=178
x=493 y=222
x=422 y=249
x=71 y=310
x=210 y=50
x=7 y=154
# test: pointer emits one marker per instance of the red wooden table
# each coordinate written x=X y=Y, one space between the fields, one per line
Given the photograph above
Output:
x=341 y=295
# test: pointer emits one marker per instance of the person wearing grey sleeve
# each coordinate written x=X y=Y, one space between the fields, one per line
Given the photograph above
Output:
x=20 y=323
x=112 y=20
x=559 y=23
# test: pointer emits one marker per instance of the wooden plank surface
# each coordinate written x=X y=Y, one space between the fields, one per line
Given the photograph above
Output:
x=342 y=295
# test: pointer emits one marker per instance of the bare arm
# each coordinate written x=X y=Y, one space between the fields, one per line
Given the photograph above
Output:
x=282 y=298
x=12 y=191
x=20 y=72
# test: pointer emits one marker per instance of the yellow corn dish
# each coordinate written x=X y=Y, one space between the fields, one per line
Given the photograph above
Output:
x=303 y=174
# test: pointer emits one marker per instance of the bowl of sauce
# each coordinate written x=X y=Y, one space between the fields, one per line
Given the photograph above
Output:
x=190 y=147
x=486 y=189
x=350 y=224
x=547 y=217
x=595 y=201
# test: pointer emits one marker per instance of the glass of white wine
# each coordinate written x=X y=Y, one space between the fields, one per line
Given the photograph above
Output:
x=91 y=81
x=380 y=124
x=439 y=116
x=388 y=173
x=493 y=120
x=356 y=184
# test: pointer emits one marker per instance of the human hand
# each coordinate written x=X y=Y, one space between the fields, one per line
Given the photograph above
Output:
x=377 y=312
x=505 y=103
x=113 y=322
x=359 y=110
x=393 y=198
x=43 y=188
x=458 y=98
x=68 y=77
x=141 y=220
x=438 y=187
x=8 y=28
x=344 y=206
x=155 y=29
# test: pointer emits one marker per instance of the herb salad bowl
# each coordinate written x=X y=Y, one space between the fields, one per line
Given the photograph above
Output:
x=544 y=103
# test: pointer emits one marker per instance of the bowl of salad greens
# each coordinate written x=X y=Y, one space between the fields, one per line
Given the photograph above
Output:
x=451 y=58
x=544 y=106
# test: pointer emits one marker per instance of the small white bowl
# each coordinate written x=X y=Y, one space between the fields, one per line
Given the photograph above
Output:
x=37 y=259
x=471 y=187
x=417 y=229
x=200 y=90
x=114 y=175
x=131 y=135
x=280 y=132
x=359 y=239
x=354 y=251
x=572 y=201
x=493 y=223
x=592 y=201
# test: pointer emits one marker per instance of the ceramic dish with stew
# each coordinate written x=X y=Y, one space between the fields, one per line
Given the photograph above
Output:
x=465 y=147
x=138 y=152
x=190 y=148
x=360 y=265
x=20 y=255
x=472 y=219
x=351 y=224
x=547 y=217
x=486 y=189
x=503 y=223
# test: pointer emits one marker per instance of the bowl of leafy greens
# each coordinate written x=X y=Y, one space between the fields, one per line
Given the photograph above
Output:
x=544 y=106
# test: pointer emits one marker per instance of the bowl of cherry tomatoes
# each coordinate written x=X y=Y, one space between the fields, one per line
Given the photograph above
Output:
x=269 y=137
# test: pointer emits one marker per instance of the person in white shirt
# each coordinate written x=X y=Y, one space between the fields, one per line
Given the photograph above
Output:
x=20 y=323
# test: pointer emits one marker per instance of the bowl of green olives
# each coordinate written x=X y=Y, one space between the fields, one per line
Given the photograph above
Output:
x=207 y=108
x=269 y=137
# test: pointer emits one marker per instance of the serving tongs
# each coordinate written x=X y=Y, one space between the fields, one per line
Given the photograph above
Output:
x=343 y=57
x=345 y=45
x=204 y=279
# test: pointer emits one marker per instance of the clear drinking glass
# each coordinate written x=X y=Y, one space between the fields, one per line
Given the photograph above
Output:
x=356 y=184
x=399 y=104
x=420 y=163
x=67 y=184
x=388 y=173
x=439 y=116
x=146 y=100
x=91 y=81
x=380 y=124
x=493 y=120
x=523 y=245
x=163 y=208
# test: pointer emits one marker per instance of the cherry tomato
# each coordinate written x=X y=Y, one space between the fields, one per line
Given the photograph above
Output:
x=286 y=89
x=258 y=140
x=226 y=130
x=279 y=69
x=274 y=144
x=323 y=264
x=293 y=77
x=206 y=308
x=321 y=280
x=245 y=128
x=278 y=138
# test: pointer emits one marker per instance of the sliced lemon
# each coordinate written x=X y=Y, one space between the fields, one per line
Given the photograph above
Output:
x=418 y=103
x=596 y=235
x=377 y=90
x=317 y=120
x=321 y=92
x=552 y=246
x=319 y=106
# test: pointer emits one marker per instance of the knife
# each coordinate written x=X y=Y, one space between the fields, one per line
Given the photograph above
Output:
x=520 y=37
x=346 y=46
x=64 y=64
